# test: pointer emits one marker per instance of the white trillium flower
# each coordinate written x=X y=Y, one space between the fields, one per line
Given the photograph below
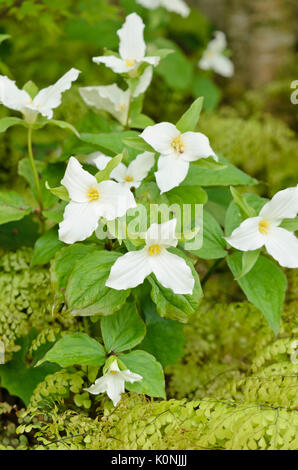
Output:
x=114 y=100
x=132 y=48
x=177 y=6
x=43 y=103
x=176 y=151
x=113 y=382
x=90 y=200
x=171 y=270
x=214 y=59
x=131 y=176
x=264 y=230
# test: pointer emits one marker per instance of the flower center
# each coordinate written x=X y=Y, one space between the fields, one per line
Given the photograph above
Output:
x=122 y=107
x=130 y=62
x=93 y=194
x=178 y=145
x=264 y=226
x=209 y=54
x=154 y=250
x=113 y=372
x=128 y=179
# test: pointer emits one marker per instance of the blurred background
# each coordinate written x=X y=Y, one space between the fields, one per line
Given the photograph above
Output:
x=249 y=117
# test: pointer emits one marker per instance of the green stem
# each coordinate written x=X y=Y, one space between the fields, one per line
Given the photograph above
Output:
x=35 y=174
x=211 y=271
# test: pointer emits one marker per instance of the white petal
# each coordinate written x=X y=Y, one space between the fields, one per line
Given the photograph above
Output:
x=108 y=98
x=172 y=272
x=119 y=173
x=98 y=159
x=100 y=386
x=129 y=270
x=49 y=98
x=247 y=236
x=205 y=63
x=115 y=200
x=152 y=60
x=79 y=221
x=115 y=386
x=177 y=6
x=114 y=366
x=172 y=170
x=222 y=65
x=160 y=136
x=162 y=234
x=219 y=43
x=150 y=4
x=132 y=45
x=77 y=181
x=282 y=245
x=129 y=376
x=283 y=205
x=144 y=82
x=114 y=63
x=140 y=166
x=196 y=145
x=11 y=96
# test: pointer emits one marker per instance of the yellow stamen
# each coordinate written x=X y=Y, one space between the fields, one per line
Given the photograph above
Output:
x=130 y=62
x=128 y=178
x=122 y=107
x=113 y=371
x=178 y=145
x=154 y=250
x=93 y=194
x=264 y=227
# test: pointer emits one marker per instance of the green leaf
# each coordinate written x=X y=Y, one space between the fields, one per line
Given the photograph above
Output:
x=30 y=88
x=264 y=286
x=64 y=261
x=46 y=247
x=234 y=217
x=211 y=93
x=171 y=66
x=76 y=349
x=137 y=143
x=7 y=122
x=141 y=121
x=164 y=338
x=290 y=224
x=63 y=125
x=18 y=377
x=176 y=306
x=240 y=200
x=3 y=37
x=60 y=192
x=86 y=292
x=12 y=207
x=249 y=259
x=55 y=213
x=210 y=164
x=142 y=363
x=210 y=177
x=105 y=174
x=213 y=241
x=111 y=142
x=189 y=120
x=123 y=330
x=187 y=195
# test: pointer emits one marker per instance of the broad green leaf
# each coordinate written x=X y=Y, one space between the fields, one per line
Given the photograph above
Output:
x=3 y=37
x=187 y=195
x=60 y=192
x=170 y=67
x=111 y=142
x=249 y=259
x=225 y=177
x=86 y=292
x=7 y=122
x=164 y=338
x=64 y=261
x=105 y=174
x=63 y=125
x=176 y=306
x=189 y=120
x=25 y=170
x=211 y=93
x=46 y=247
x=213 y=241
x=264 y=286
x=210 y=164
x=12 y=207
x=290 y=224
x=240 y=200
x=18 y=377
x=141 y=121
x=142 y=363
x=30 y=88
x=123 y=330
x=76 y=349
x=137 y=143
x=55 y=213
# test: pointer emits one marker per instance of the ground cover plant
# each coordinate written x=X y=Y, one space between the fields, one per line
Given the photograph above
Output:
x=147 y=237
